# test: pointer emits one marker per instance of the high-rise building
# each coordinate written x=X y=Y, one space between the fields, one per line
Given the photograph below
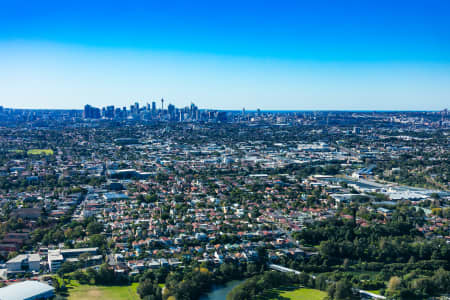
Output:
x=153 y=107
x=221 y=116
x=109 y=113
x=91 y=112
x=86 y=111
x=171 y=111
x=118 y=113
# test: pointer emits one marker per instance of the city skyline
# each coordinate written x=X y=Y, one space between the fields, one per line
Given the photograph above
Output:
x=289 y=56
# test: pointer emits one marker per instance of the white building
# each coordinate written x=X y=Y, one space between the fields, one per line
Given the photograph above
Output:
x=58 y=256
x=55 y=259
x=24 y=262
x=27 y=290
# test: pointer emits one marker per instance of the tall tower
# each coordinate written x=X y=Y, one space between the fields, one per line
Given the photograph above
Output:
x=162 y=103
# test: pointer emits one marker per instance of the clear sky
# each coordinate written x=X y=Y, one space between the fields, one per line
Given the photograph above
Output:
x=277 y=55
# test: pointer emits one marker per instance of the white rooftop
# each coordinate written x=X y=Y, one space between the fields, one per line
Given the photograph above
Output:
x=21 y=257
x=24 y=290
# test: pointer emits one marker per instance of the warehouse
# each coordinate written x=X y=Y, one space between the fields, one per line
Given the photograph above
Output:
x=27 y=290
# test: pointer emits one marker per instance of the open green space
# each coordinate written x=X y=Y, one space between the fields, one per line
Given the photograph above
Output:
x=95 y=292
x=377 y=292
x=40 y=152
x=294 y=293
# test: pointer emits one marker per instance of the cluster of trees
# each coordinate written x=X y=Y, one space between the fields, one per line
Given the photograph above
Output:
x=190 y=285
x=420 y=267
x=149 y=290
x=71 y=231
x=258 y=285
x=147 y=198
x=416 y=286
x=341 y=289
x=394 y=242
x=192 y=281
x=103 y=276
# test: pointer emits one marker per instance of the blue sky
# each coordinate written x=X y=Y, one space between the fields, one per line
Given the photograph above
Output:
x=226 y=54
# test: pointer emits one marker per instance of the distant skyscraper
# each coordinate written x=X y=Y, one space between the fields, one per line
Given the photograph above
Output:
x=171 y=110
x=222 y=116
x=109 y=112
x=154 y=107
x=118 y=113
x=193 y=111
x=162 y=103
x=86 y=111
x=91 y=112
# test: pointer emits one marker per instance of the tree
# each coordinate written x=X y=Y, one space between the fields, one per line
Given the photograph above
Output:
x=105 y=275
x=423 y=287
x=12 y=254
x=441 y=280
x=97 y=240
x=81 y=276
x=66 y=267
x=321 y=282
x=147 y=289
x=91 y=275
x=394 y=285
x=94 y=228
x=343 y=290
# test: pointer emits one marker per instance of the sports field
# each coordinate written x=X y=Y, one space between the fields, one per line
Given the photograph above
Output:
x=95 y=292
x=295 y=294
x=40 y=152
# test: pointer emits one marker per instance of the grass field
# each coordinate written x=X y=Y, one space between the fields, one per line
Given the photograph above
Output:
x=375 y=292
x=40 y=152
x=96 y=292
x=295 y=294
x=303 y=294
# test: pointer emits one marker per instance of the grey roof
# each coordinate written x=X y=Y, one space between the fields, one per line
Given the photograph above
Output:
x=24 y=290
x=22 y=257
x=76 y=250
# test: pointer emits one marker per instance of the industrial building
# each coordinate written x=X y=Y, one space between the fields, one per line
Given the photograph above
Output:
x=27 y=290
x=24 y=262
